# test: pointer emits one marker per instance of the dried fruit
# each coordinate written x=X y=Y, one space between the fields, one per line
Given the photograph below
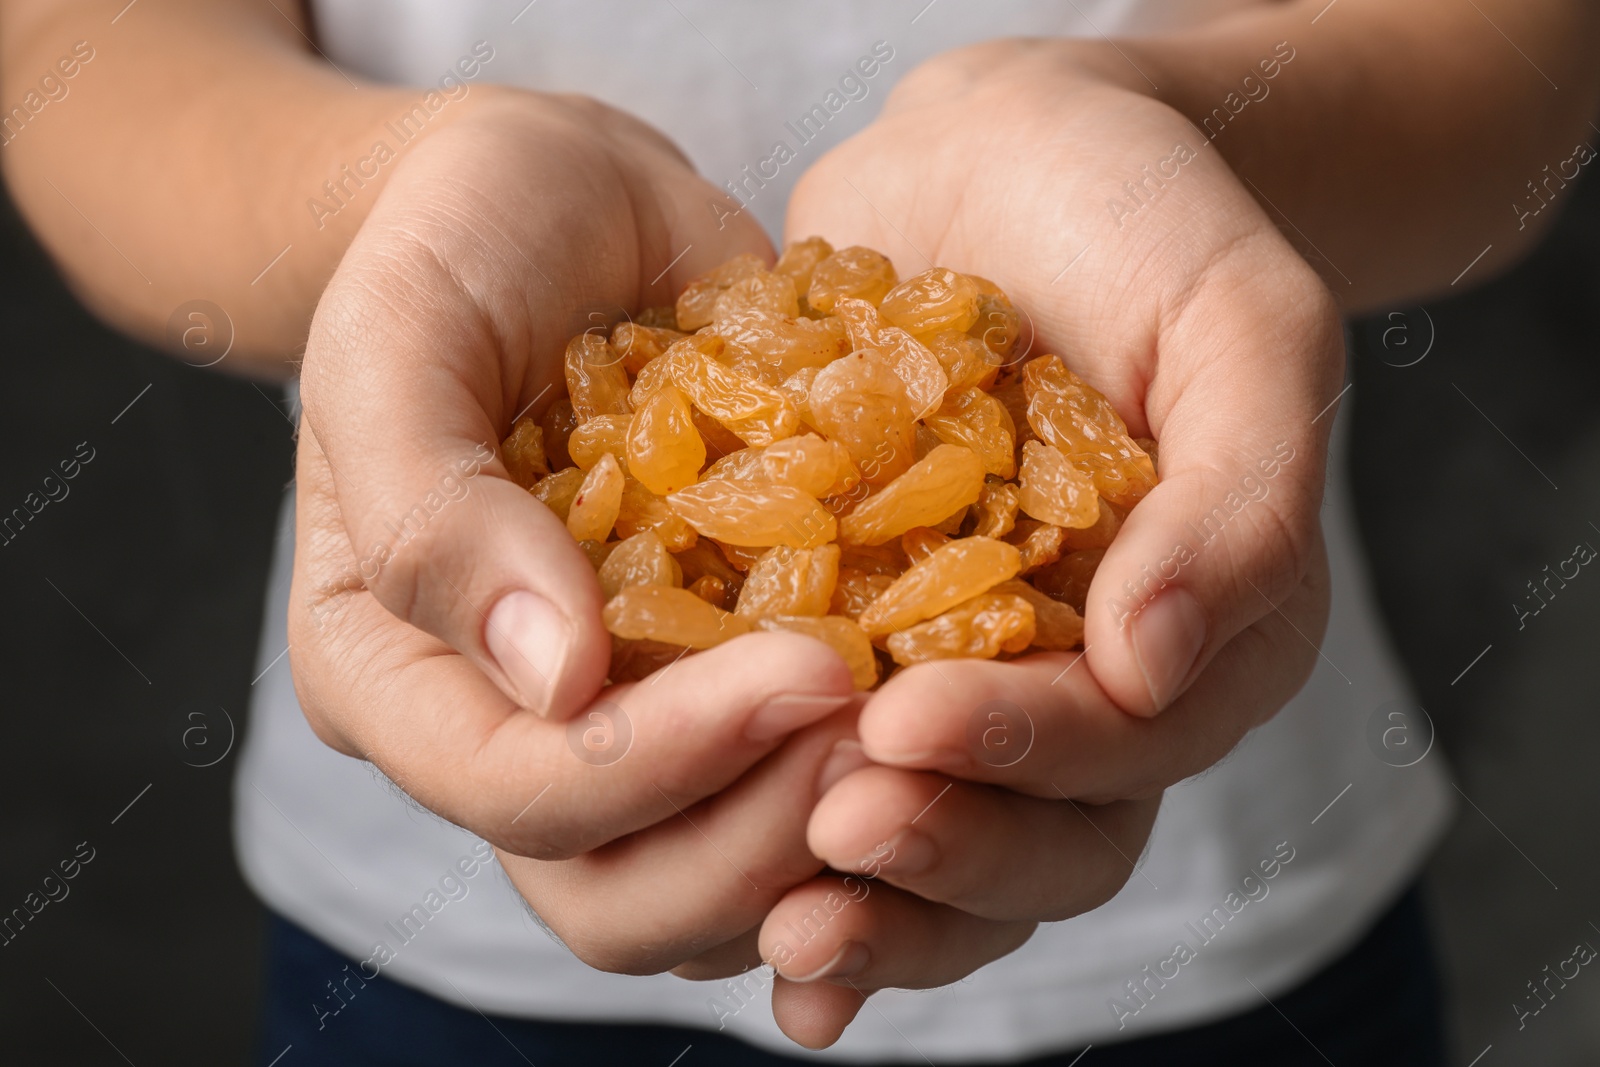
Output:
x=821 y=449
x=948 y=478
x=951 y=574
x=711 y=589
x=841 y=635
x=783 y=344
x=1069 y=413
x=763 y=291
x=855 y=271
x=855 y=589
x=1054 y=490
x=982 y=628
x=791 y=581
x=757 y=412
x=999 y=323
x=675 y=616
x=996 y=509
x=597 y=383
x=861 y=404
x=810 y=464
x=917 y=368
x=523 y=453
x=558 y=490
x=601 y=434
x=639 y=560
x=639 y=344
x=642 y=510
x=800 y=260
x=937 y=299
x=1056 y=626
x=973 y=418
x=742 y=513
x=665 y=451
x=698 y=302
x=594 y=509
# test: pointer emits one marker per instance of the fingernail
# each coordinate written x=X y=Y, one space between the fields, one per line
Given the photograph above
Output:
x=783 y=714
x=909 y=853
x=530 y=639
x=1167 y=637
x=851 y=959
x=847 y=756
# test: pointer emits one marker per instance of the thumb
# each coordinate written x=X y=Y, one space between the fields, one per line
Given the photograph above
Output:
x=1232 y=528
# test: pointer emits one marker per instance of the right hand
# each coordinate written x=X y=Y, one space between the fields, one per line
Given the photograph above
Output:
x=451 y=653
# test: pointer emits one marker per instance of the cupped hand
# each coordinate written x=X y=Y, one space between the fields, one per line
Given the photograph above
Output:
x=1146 y=265
x=443 y=623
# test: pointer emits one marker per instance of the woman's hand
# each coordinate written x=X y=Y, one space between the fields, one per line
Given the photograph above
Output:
x=1150 y=270
x=443 y=623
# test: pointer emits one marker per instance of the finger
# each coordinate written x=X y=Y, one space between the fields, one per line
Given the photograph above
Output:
x=1042 y=724
x=867 y=936
x=447 y=319
x=694 y=887
x=988 y=851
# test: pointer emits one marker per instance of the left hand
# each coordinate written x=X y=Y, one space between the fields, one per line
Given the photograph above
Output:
x=1206 y=330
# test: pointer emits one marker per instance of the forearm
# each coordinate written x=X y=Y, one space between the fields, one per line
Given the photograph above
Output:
x=1400 y=140
x=188 y=152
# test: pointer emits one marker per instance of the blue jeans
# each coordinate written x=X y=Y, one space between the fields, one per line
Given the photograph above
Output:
x=1377 y=1006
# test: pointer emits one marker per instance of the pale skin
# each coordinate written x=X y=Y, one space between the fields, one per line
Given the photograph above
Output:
x=434 y=306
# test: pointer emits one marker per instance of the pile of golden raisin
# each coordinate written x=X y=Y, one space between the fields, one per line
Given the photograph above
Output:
x=823 y=449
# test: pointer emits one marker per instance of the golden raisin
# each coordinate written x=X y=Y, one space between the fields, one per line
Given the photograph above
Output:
x=841 y=635
x=856 y=272
x=1069 y=413
x=965 y=360
x=523 y=453
x=597 y=436
x=999 y=323
x=808 y=463
x=800 y=259
x=920 y=542
x=660 y=318
x=782 y=344
x=1054 y=490
x=664 y=613
x=937 y=299
x=642 y=510
x=953 y=573
x=791 y=581
x=1056 y=626
x=558 y=490
x=753 y=514
x=762 y=291
x=996 y=509
x=698 y=301
x=597 y=384
x=665 y=451
x=594 y=509
x=638 y=560
x=981 y=628
x=639 y=344
x=1041 y=543
x=947 y=479
x=917 y=368
x=973 y=418
x=758 y=413
x=711 y=589
x=855 y=589
x=861 y=404
x=703 y=559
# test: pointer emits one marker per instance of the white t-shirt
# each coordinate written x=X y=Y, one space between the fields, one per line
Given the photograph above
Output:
x=1263 y=869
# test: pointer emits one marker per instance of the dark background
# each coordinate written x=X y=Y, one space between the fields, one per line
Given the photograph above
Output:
x=158 y=558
